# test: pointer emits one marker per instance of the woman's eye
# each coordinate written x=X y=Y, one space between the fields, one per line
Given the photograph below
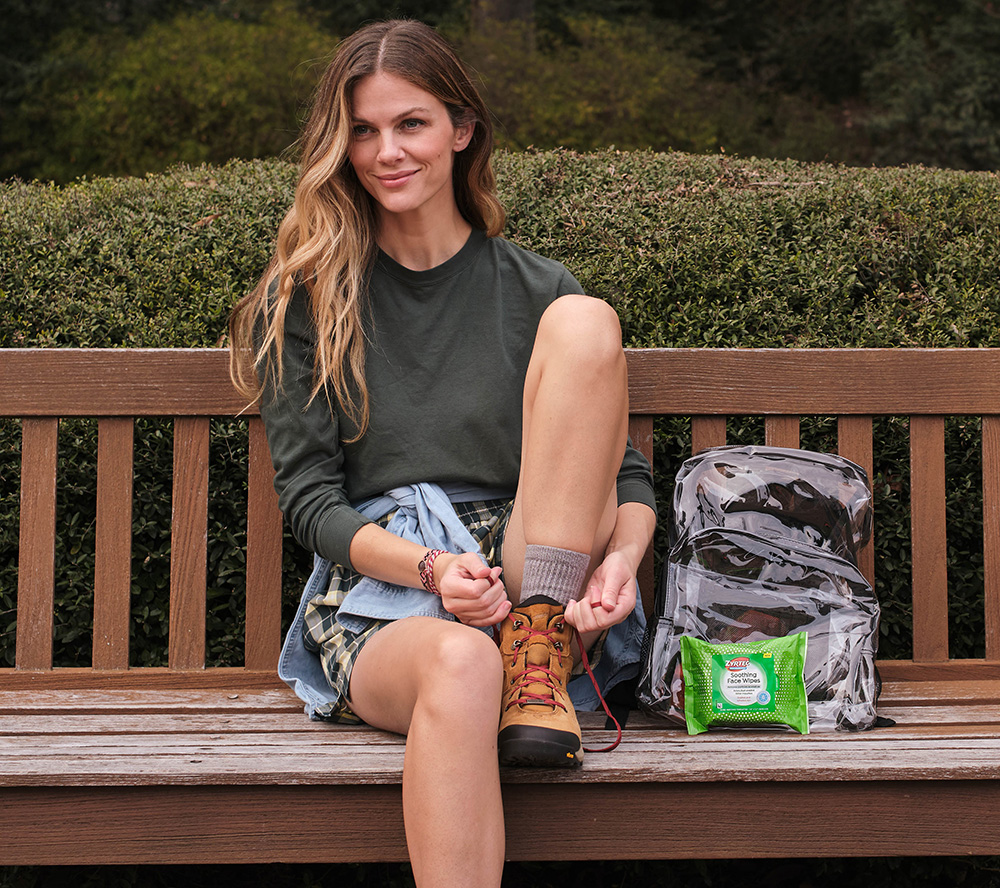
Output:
x=360 y=130
x=412 y=123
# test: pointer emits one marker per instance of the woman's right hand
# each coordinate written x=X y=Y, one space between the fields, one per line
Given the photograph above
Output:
x=471 y=590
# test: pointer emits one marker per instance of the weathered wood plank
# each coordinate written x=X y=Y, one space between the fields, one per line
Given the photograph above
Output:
x=854 y=442
x=73 y=679
x=913 y=722
x=707 y=431
x=169 y=699
x=262 y=759
x=781 y=431
x=683 y=382
x=991 y=532
x=640 y=430
x=118 y=382
x=189 y=544
x=140 y=826
x=113 y=547
x=263 y=607
x=37 y=544
x=928 y=537
x=830 y=382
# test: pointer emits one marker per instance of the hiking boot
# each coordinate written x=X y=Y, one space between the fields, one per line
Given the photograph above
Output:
x=538 y=725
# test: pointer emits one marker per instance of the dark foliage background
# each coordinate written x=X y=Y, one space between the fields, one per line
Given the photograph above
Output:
x=110 y=87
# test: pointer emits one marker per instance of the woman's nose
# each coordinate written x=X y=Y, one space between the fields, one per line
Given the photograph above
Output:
x=389 y=149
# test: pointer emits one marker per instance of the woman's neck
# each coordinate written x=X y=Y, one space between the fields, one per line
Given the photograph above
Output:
x=419 y=245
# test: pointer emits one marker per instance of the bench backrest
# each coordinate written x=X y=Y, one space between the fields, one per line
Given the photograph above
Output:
x=707 y=385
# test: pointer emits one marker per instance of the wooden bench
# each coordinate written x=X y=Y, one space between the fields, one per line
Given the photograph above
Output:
x=108 y=764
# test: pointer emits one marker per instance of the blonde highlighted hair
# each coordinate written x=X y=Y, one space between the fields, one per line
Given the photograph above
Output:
x=326 y=242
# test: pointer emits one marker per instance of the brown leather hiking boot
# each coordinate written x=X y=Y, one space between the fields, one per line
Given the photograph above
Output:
x=538 y=725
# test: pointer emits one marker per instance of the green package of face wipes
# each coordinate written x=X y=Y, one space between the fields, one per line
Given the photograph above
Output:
x=750 y=684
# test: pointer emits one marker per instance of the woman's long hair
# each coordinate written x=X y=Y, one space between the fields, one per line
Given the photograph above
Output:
x=326 y=242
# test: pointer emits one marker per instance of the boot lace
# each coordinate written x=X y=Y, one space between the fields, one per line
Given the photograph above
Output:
x=545 y=676
x=533 y=674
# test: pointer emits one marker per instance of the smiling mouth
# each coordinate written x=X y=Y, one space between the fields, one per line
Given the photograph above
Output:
x=396 y=178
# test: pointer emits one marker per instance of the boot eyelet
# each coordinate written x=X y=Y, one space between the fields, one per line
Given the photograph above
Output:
x=516 y=643
x=518 y=624
x=560 y=626
x=558 y=645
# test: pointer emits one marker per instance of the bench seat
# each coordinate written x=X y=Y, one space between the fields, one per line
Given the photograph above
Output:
x=236 y=774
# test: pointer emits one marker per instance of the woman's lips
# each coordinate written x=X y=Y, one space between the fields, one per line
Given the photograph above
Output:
x=395 y=180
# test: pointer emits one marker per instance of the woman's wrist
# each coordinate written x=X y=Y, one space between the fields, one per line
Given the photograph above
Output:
x=441 y=567
x=432 y=568
x=425 y=569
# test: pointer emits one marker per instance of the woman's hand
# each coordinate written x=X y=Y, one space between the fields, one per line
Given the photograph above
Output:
x=471 y=590
x=608 y=598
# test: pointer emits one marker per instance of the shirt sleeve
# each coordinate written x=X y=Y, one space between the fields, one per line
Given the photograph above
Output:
x=305 y=448
x=635 y=479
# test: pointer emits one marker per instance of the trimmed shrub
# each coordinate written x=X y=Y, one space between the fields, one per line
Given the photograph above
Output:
x=691 y=250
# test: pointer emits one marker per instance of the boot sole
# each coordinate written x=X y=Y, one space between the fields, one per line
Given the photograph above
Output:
x=529 y=746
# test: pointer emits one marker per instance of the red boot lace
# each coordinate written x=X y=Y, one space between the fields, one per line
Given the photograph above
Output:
x=600 y=696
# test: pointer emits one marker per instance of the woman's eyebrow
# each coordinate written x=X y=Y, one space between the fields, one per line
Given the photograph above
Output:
x=408 y=113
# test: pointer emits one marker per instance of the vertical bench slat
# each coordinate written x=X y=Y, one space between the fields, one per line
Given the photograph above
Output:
x=263 y=630
x=707 y=431
x=37 y=544
x=781 y=431
x=928 y=538
x=991 y=532
x=640 y=430
x=854 y=442
x=113 y=552
x=189 y=544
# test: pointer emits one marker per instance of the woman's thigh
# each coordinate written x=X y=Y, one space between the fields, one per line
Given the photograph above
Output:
x=442 y=665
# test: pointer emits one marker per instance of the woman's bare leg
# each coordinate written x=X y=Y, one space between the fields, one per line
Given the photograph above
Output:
x=575 y=428
x=439 y=683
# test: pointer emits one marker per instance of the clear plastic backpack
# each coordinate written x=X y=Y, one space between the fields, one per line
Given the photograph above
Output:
x=766 y=544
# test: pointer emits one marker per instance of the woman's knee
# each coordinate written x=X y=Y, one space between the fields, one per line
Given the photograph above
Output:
x=582 y=325
x=461 y=671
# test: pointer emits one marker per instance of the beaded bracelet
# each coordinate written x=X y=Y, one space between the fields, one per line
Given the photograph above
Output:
x=426 y=568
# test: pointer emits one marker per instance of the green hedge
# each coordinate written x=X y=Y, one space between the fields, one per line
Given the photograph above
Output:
x=691 y=250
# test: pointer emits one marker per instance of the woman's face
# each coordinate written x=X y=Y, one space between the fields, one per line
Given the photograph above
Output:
x=403 y=146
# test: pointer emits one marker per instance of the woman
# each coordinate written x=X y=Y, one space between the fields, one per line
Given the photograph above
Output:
x=440 y=406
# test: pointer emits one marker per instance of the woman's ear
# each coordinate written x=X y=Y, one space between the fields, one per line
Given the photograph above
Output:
x=463 y=135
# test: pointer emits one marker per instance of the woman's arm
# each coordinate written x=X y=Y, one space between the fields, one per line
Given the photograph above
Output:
x=469 y=589
x=609 y=596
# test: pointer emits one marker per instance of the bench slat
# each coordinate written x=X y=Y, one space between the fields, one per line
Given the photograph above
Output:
x=37 y=544
x=189 y=544
x=263 y=607
x=854 y=442
x=682 y=382
x=652 y=821
x=707 y=431
x=928 y=538
x=113 y=552
x=991 y=532
x=781 y=431
x=118 y=382
x=822 y=382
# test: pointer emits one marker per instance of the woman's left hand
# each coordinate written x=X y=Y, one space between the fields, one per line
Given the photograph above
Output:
x=608 y=598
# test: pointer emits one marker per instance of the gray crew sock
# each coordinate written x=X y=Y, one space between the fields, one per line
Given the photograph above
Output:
x=555 y=573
